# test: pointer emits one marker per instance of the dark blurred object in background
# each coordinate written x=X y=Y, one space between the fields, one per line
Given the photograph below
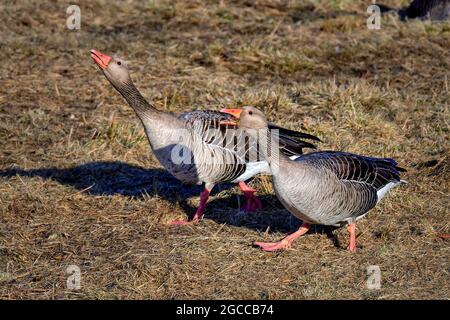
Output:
x=423 y=9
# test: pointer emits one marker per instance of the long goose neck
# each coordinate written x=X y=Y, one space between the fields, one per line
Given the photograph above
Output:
x=140 y=105
x=269 y=147
x=279 y=163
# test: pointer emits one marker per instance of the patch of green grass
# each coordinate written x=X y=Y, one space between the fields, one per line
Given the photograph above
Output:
x=117 y=134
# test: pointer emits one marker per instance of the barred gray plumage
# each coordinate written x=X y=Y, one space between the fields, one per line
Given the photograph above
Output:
x=336 y=188
x=194 y=146
x=326 y=187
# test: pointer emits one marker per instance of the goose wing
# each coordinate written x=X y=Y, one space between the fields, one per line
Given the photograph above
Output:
x=207 y=123
x=362 y=181
x=230 y=142
x=374 y=172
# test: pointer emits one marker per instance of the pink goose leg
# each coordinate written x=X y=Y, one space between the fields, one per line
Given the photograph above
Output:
x=252 y=202
x=198 y=214
x=286 y=242
x=352 y=230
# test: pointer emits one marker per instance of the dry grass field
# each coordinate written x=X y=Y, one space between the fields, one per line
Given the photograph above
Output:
x=79 y=185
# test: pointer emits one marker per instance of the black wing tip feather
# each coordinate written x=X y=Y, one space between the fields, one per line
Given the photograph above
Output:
x=293 y=134
x=394 y=163
x=295 y=150
x=304 y=144
x=292 y=146
x=291 y=141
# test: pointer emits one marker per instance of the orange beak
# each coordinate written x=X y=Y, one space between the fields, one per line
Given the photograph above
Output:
x=234 y=112
x=102 y=60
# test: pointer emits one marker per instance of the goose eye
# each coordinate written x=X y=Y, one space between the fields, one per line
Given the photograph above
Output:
x=119 y=63
x=250 y=112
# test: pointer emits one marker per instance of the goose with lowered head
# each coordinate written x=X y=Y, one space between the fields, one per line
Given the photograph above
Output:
x=325 y=187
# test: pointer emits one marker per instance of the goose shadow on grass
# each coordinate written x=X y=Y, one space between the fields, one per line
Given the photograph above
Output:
x=118 y=178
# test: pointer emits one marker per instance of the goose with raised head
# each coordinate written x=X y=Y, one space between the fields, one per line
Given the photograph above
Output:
x=194 y=146
x=325 y=187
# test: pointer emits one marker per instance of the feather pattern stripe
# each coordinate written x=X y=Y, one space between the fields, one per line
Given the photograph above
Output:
x=233 y=143
x=336 y=187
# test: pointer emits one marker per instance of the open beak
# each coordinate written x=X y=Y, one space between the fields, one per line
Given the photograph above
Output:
x=102 y=60
x=235 y=113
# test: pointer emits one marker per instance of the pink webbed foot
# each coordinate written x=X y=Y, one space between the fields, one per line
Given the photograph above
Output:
x=286 y=242
x=252 y=202
x=198 y=214
x=273 y=246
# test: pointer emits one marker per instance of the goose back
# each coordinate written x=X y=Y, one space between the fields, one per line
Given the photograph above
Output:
x=191 y=149
x=333 y=188
x=223 y=153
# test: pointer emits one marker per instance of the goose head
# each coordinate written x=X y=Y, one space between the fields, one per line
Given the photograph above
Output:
x=248 y=117
x=114 y=68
